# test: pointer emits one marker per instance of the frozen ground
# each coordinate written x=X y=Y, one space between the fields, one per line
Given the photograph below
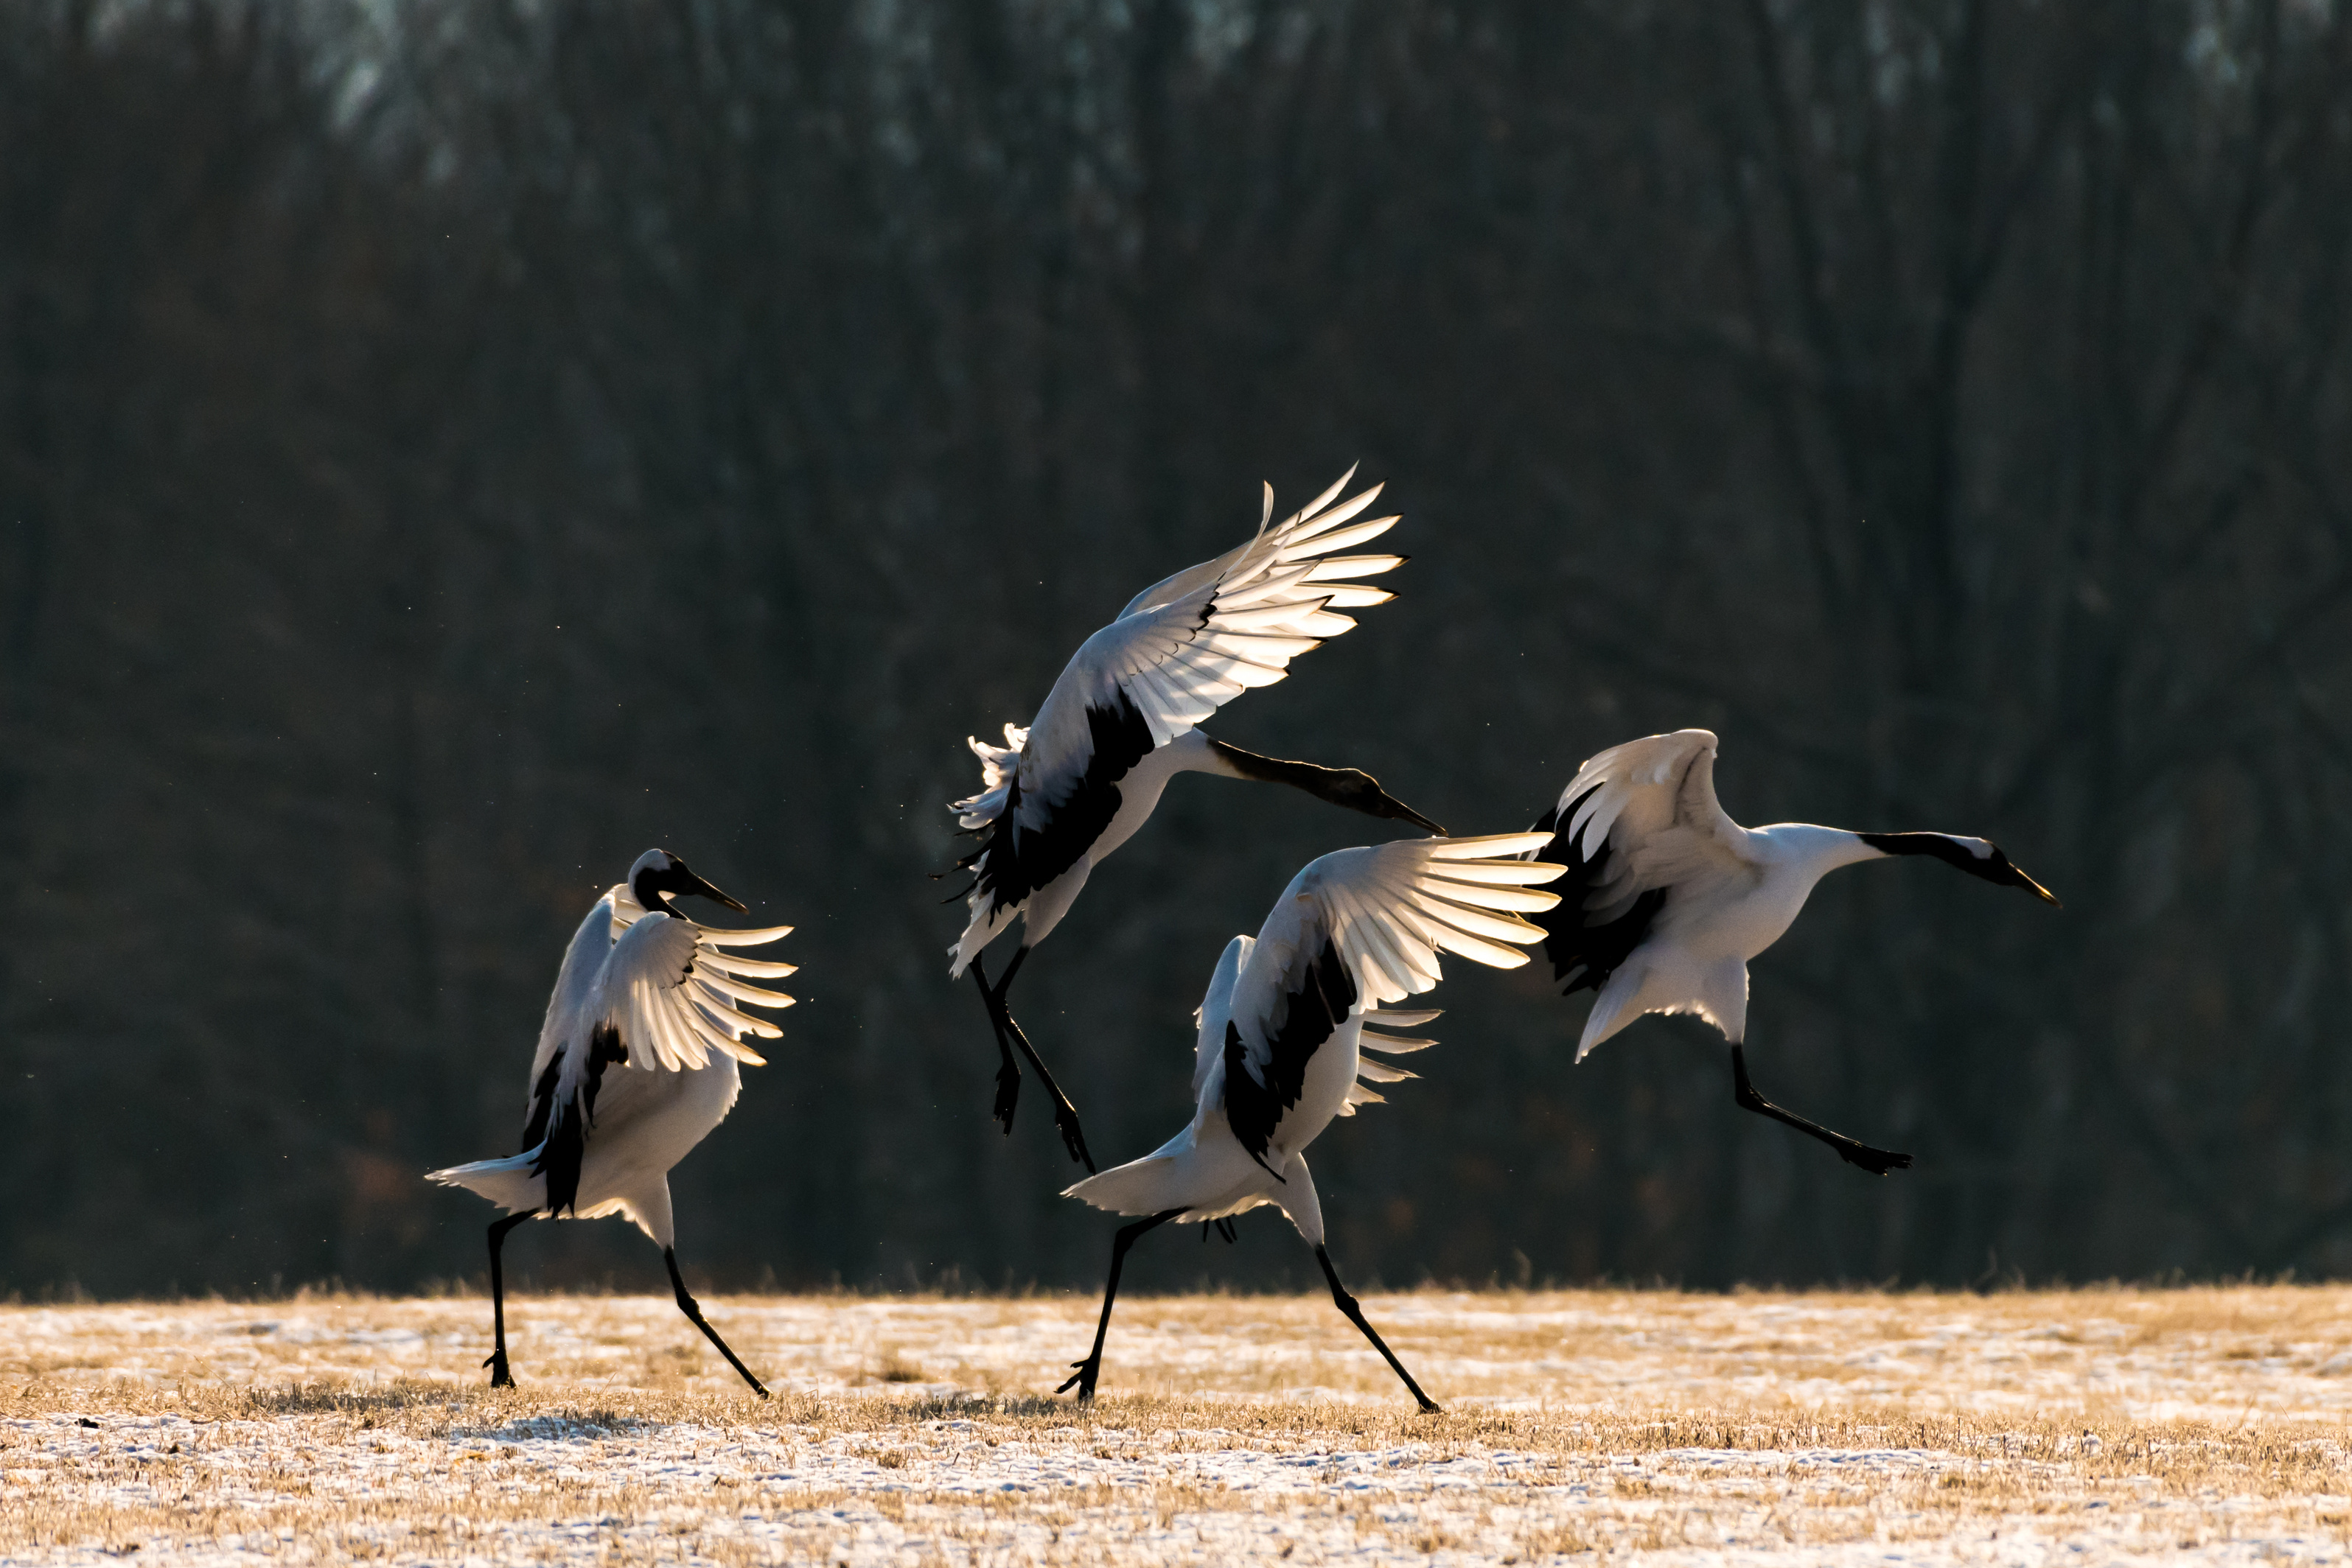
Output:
x=2023 y=1428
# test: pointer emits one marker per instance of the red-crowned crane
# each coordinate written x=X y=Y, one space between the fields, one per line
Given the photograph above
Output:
x=635 y=1064
x=1064 y=793
x=1667 y=898
x=1283 y=1026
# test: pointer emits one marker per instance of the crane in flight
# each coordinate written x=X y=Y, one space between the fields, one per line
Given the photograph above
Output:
x=1059 y=796
x=1667 y=899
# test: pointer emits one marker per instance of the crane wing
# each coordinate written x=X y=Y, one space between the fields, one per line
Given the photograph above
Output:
x=1371 y=1069
x=1637 y=822
x=1217 y=1009
x=568 y=1008
x=1395 y=908
x=1359 y=927
x=1185 y=647
x=665 y=995
x=671 y=991
x=1308 y=532
x=1181 y=649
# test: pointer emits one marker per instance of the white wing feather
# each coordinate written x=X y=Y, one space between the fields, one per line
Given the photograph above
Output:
x=1653 y=801
x=1395 y=908
x=1216 y=1008
x=663 y=988
x=1391 y=911
x=713 y=935
x=571 y=1007
x=1191 y=643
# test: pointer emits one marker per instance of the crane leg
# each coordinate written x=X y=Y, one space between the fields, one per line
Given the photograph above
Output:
x=1008 y=1076
x=1090 y=1369
x=685 y=1303
x=1877 y=1162
x=1008 y=1071
x=1347 y=1303
x=497 y=1361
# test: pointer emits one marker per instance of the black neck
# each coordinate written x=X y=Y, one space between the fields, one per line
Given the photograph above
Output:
x=1349 y=787
x=1949 y=850
x=1304 y=776
x=655 y=901
x=1991 y=866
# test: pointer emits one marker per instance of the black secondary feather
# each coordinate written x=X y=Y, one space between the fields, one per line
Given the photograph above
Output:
x=1584 y=956
x=1311 y=1012
x=567 y=1135
x=1012 y=861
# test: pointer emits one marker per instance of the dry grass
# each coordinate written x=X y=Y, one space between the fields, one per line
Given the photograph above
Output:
x=2206 y=1422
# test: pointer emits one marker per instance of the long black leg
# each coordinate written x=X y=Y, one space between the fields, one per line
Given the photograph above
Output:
x=1090 y=1369
x=500 y=1376
x=1065 y=1115
x=1008 y=1071
x=1347 y=1303
x=694 y=1314
x=1877 y=1162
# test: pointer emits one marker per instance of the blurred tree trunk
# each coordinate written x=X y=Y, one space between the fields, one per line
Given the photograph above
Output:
x=445 y=448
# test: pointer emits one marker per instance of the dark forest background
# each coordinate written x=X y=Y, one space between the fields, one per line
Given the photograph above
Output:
x=448 y=446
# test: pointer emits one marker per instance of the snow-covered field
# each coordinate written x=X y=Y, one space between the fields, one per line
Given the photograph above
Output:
x=2206 y=1424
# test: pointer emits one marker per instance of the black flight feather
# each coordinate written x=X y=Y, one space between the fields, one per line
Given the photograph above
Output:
x=1013 y=863
x=567 y=1135
x=542 y=1101
x=1584 y=956
x=1309 y=1015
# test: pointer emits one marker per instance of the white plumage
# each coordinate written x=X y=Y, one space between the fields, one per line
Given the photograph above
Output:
x=1283 y=1028
x=1178 y=651
x=1065 y=792
x=635 y=1064
x=1667 y=899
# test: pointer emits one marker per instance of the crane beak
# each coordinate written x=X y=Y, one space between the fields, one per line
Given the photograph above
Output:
x=2027 y=883
x=1399 y=810
x=694 y=885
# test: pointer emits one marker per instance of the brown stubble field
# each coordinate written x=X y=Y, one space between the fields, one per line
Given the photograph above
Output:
x=2206 y=1423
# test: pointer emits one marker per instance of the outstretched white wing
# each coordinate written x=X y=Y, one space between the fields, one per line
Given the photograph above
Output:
x=671 y=990
x=667 y=995
x=1359 y=927
x=1182 y=649
x=1391 y=910
x=1651 y=802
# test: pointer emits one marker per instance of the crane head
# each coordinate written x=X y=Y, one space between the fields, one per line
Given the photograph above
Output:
x=1358 y=790
x=659 y=872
